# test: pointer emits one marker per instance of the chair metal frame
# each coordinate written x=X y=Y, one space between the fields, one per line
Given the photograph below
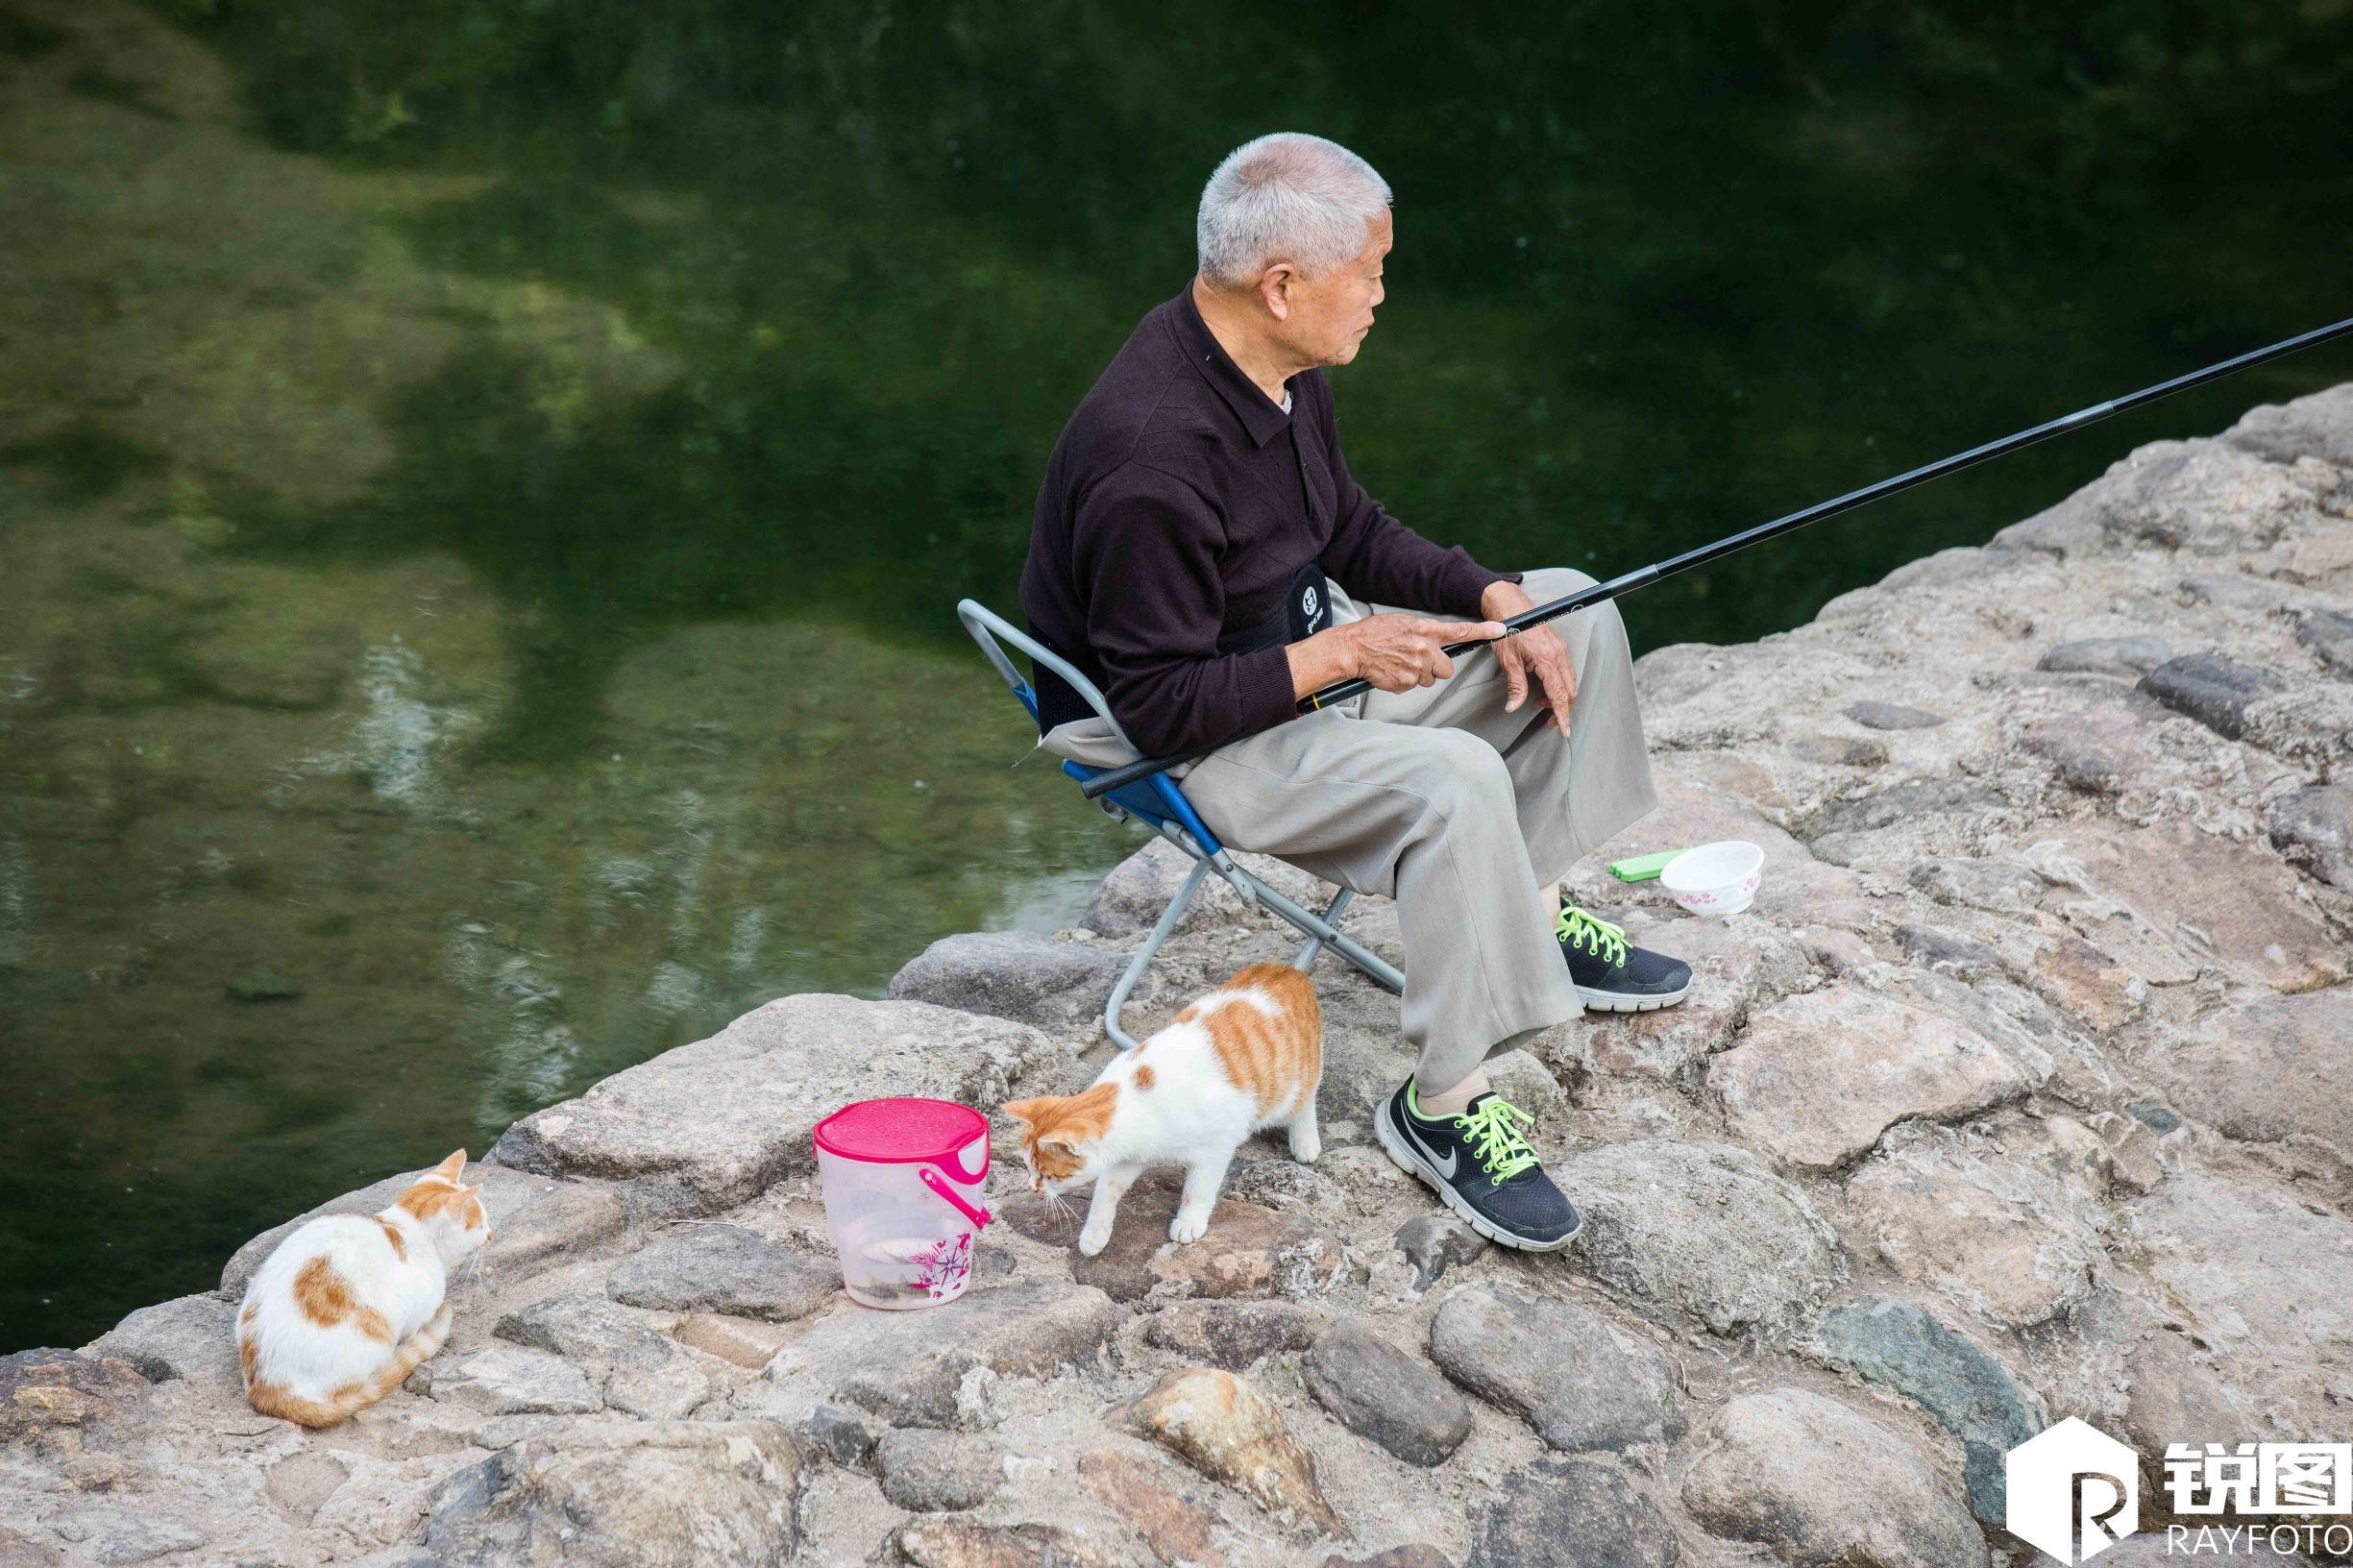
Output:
x=1158 y=803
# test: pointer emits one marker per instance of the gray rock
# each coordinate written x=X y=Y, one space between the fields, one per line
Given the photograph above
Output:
x=1892 y=716
x=2235 y=905
x=619 y=1495
x=509 y=1380
x=17 y=1550
x=116 y=1532
x=2236 y=591
x=1381 y=1394
x=1948 y=952
x=2329 y=638
x=1228 y=1431
x=47 y=1392
x=643 y=1371
x=664 y=1127
x=1736 y=967
x=1840 y=750
x=1249 y=1250
x=1903 y=802
x=1902 y=1346
x=1415 y=1556
x=938 y=1472
x=2314 y=828
x=2318 y=425
x=746 y=1342
x=1280 y=1183
x=939 y=1367
x=2198 y=496
x=2213 y=689
x=1525 y=1081
x=2263 y=1277
x=1056 y=985
x=589 y=1328
x=1234 y=1335
x=1955 y=1209
x=1979 y=884
x=1824 y=1487
x=1435 y=1242
x=1700 y=1229
x=1573 y=1511
x=2252 y=1070
x=194 y=1338
x=301 y=1483
x=2107 y=657
x=1138 y=889
x=1567 y=1372
x=959 y=1542
x=726 y=1268
x=2177 y=1395
x=670 y=1392
x=1817 y=1078
x=836 y=1433
x=535 y=1224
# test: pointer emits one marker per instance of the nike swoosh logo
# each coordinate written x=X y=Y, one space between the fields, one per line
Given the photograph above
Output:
x=1446 y=1167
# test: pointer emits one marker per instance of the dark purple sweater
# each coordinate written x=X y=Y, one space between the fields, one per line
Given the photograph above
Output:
x=1172 y=519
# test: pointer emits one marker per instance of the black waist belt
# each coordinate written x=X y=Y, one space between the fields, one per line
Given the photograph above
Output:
x=1306 y=610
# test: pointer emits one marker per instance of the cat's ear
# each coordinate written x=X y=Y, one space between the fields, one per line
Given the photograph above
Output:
x=1028 y=1111
x=452 y=1169
x=1070 y=1144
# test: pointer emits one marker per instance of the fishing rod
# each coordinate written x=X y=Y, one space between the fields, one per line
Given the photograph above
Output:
x=1112 y=778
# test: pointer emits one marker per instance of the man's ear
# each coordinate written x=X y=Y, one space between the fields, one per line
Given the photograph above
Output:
x=1027 y=1111
x=1274 y=289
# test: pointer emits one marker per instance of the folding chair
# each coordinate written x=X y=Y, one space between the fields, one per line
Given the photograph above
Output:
x=1160 y=805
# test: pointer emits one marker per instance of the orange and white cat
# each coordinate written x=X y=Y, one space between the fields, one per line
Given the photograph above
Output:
x=1248 y=1055
x=347 y=1305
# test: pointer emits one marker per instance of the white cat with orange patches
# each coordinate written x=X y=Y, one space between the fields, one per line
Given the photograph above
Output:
x=1246 y=1056
x=348 y=1304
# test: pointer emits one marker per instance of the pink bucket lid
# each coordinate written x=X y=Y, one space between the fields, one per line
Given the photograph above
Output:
x=905 y=1131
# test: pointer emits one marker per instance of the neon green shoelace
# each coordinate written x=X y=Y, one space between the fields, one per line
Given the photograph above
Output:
x=1580 y=929
x=1494 y=1134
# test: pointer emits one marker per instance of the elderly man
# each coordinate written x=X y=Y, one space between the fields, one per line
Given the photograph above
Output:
x=1203 y=553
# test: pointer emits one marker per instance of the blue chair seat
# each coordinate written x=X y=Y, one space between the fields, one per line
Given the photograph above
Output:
x=1158 y=804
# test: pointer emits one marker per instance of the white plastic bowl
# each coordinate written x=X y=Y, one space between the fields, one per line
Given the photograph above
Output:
x=1715 y=879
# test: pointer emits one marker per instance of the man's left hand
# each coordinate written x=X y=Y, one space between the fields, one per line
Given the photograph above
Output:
x=1538 y=649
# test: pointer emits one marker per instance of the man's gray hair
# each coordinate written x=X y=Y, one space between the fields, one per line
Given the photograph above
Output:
x=1286 y=197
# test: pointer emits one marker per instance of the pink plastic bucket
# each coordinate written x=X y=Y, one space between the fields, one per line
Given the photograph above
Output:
x=902 y=1180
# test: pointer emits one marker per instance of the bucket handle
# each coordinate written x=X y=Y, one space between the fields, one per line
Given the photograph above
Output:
x=939 y=1184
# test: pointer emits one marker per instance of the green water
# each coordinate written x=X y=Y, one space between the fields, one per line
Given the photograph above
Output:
x=484 y=485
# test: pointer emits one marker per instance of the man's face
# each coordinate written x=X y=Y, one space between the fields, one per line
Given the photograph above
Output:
x=1328 y=314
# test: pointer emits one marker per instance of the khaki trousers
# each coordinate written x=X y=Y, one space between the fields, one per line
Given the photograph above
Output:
x=1441 y=800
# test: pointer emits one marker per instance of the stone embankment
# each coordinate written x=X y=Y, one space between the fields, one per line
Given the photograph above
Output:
x=2018 y=1094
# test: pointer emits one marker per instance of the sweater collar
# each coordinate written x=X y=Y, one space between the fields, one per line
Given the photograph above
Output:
x=1263 y=419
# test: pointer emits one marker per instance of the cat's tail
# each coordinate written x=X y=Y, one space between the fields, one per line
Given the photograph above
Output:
x=354 y=1397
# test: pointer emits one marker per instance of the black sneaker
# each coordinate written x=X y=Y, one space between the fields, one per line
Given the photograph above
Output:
x=1483 y=1167
x=1611 y=973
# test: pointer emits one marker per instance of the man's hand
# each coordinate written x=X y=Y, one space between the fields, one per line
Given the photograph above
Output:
x=1399 y=652
x=1538 y=649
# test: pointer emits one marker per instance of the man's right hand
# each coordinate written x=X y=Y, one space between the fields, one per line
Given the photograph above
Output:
x=1399 y=652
